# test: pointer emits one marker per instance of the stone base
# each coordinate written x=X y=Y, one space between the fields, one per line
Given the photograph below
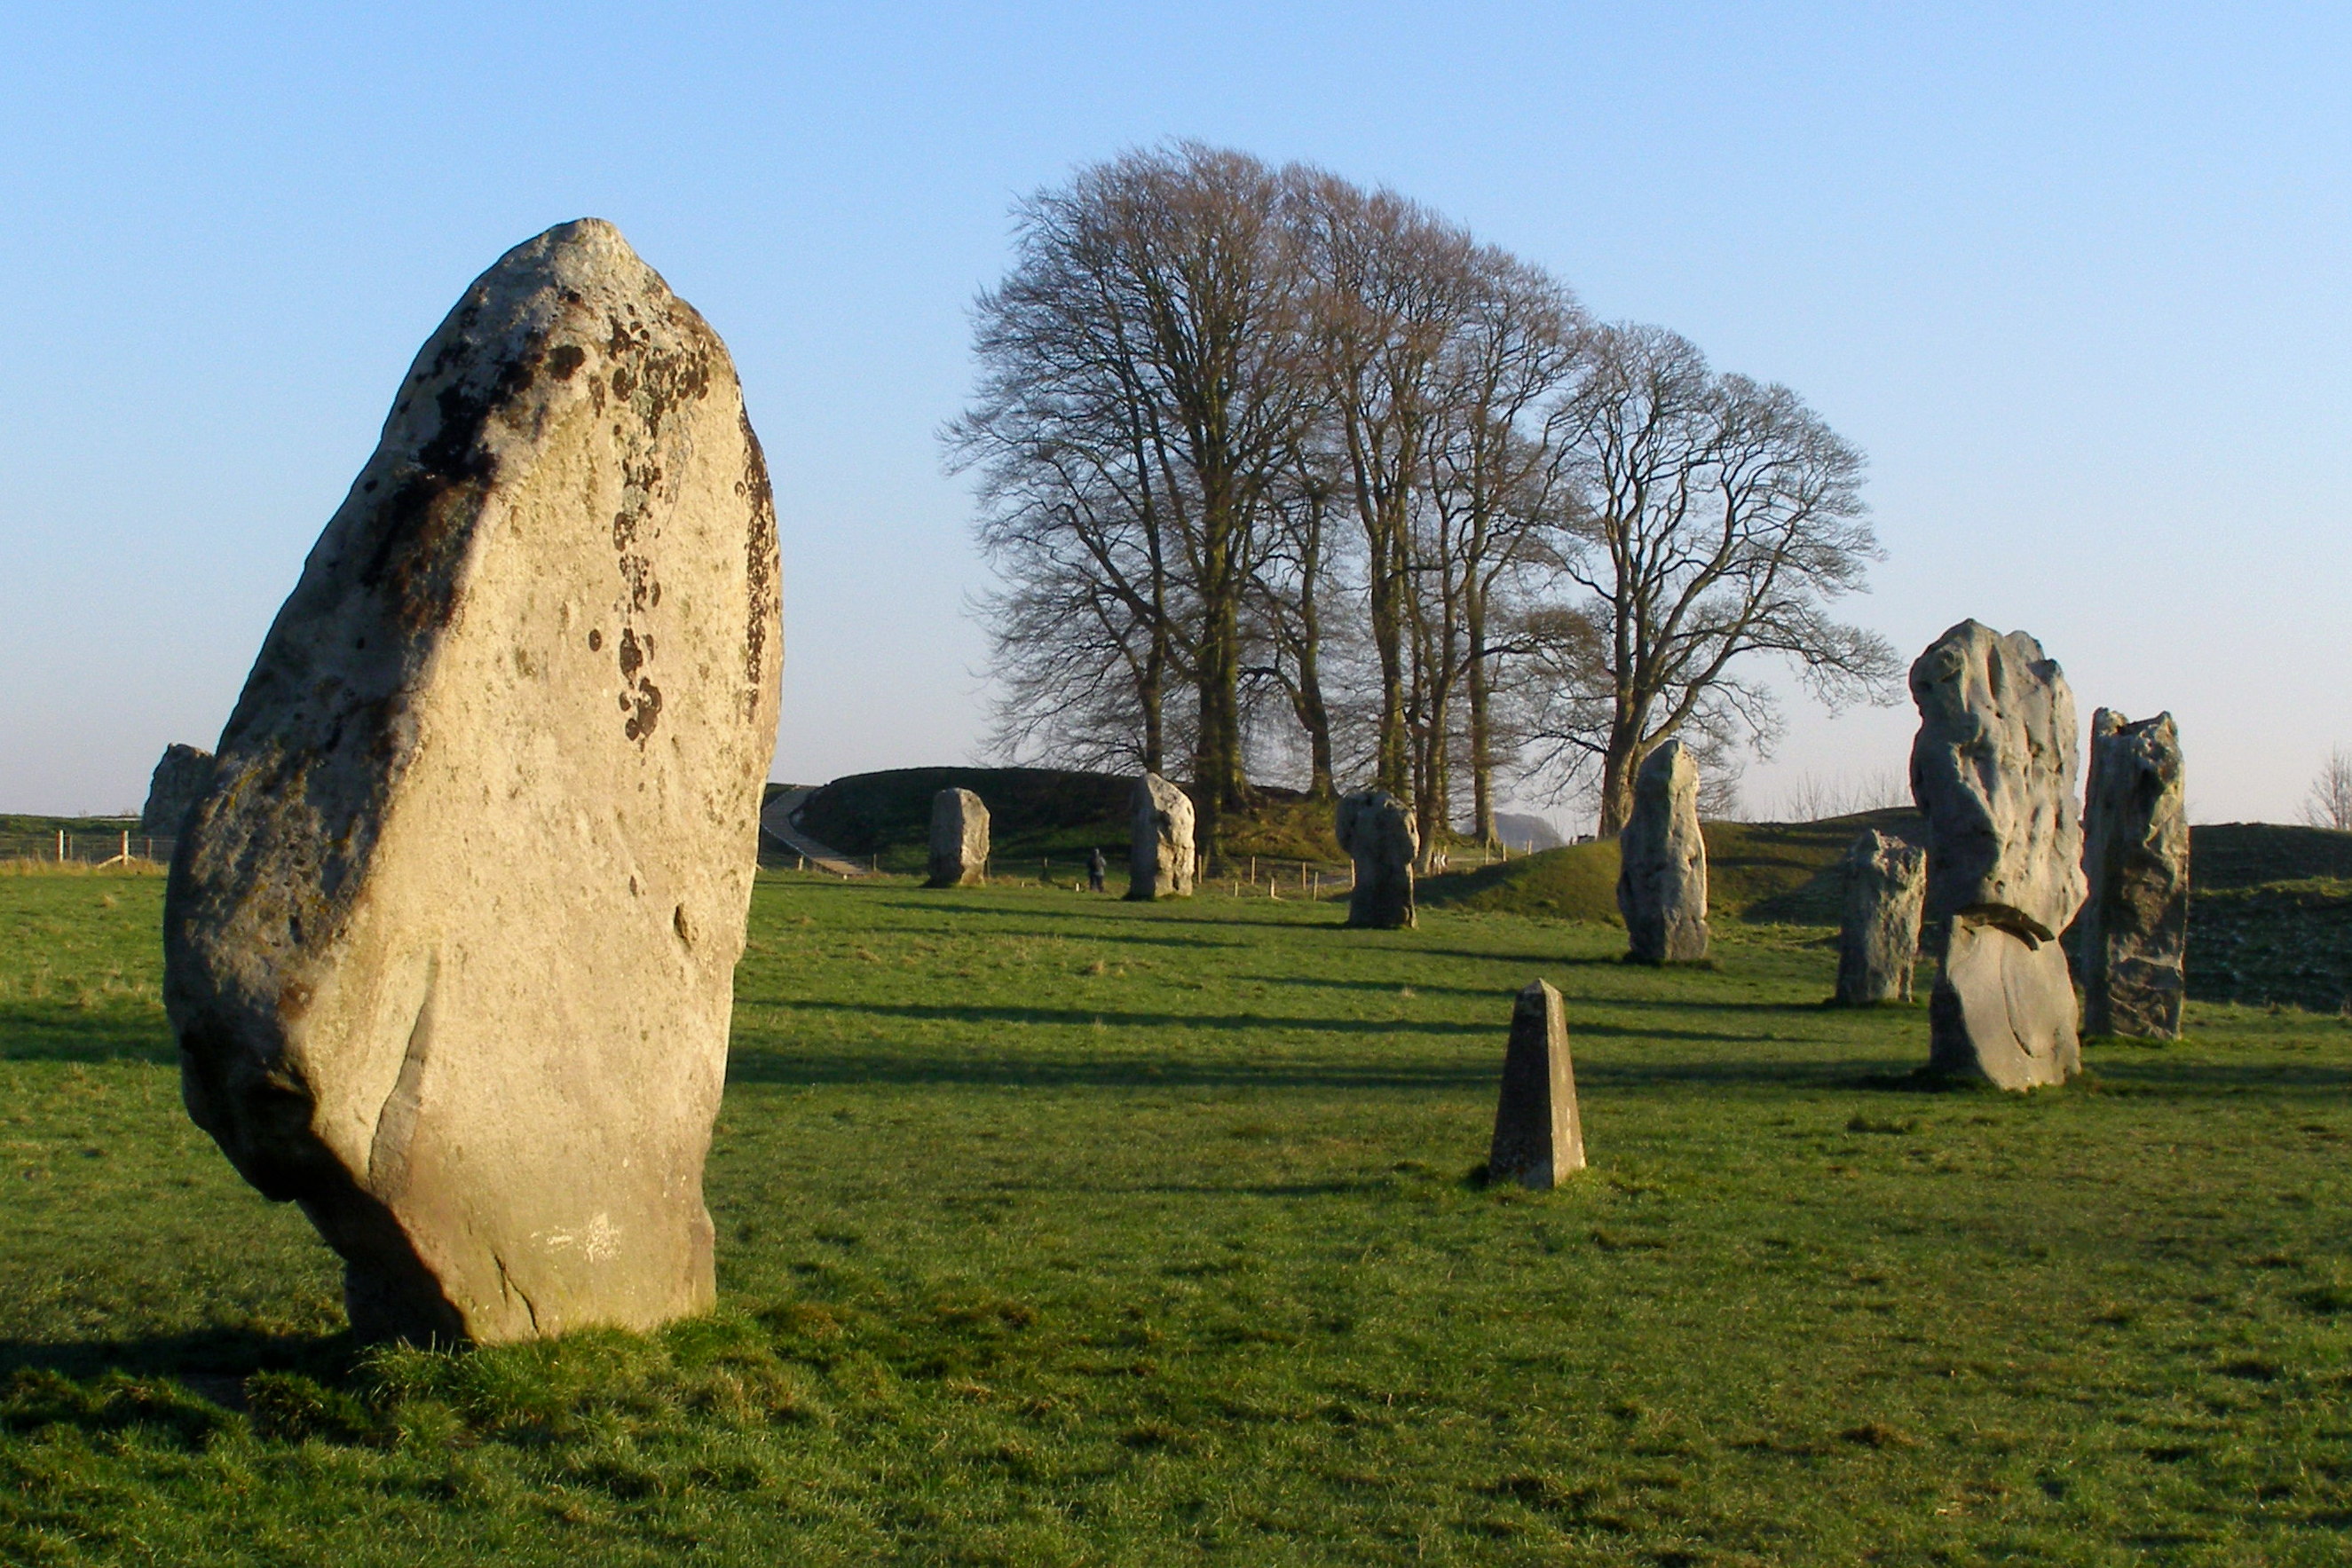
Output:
x=2004 y=1009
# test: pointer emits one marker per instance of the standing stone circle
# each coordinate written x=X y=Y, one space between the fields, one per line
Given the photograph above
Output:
x=181 y=775
x=450 y=942
x=2134 y=922
x=1992 y=768
x=1539 y=1135
x=1878 y=941
x=1377 y=832
x=1662 y=872
x=1161 y=855
x=959 y=839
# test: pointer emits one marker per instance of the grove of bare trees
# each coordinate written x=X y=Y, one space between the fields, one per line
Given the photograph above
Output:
x=1287 y=479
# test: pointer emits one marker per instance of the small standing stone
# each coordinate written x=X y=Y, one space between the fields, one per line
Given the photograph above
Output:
x=959 y=839
x=1161 y=858
x=1662 y=875
x=1538 y=1136
x=2134 y=922
x=1379 y=835
x=181 y=775
x=1992 y=768
x=1885 y=883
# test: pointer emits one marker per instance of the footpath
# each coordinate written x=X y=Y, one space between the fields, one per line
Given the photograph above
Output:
x=776 y=820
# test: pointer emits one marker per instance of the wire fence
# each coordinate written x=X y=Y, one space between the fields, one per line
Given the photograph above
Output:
x=89 y=847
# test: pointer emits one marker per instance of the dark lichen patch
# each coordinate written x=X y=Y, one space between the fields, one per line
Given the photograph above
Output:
x=564 y=360
x=648 y=712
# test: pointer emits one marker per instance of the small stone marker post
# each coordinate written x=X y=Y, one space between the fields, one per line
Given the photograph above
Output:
x=2134 y=922
x=959 y=839
x=1379 y=835
x=1538 y=1136
x=1992 y=768
x=449 y=944
x=1161 y=859
x=1662 y=875
x=181 y=775
x=1878 y=943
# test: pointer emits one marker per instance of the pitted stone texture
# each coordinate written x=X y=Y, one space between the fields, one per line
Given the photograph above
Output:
x=181 y=775
x=1160 y=857
x=1993 y=770
x=2135 y=924
x=1878 y=941
x=1538 y=1136
x=1377 y=832
x=451 y=942
x=1661 y=869
x=959 y=839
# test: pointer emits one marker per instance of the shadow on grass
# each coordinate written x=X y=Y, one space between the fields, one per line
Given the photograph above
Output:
x=50 y=1036
x=1085 y=1017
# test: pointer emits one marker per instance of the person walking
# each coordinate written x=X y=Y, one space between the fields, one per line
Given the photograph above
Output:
x=1095 y=869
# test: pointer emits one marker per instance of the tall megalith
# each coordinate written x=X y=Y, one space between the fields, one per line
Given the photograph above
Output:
x=449 y=943
x=1994 y=770
x=1662 y=868
x=1160 y=857
x=2134 y=922
x=1878 y=938
x=959 y=839
x=181 y=775
x=1539 y=1135
x=1377 y=832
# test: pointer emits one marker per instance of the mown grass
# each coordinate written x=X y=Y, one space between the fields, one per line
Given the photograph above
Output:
x=1061 y=1229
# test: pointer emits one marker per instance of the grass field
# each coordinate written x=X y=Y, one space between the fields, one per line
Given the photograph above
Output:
x=1056 y=1229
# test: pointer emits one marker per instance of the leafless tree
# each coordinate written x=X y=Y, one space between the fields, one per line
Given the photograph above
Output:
x=1706 y=518
x=2329 y=804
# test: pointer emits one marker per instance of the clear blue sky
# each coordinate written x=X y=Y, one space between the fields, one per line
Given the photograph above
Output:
x=2078 y=279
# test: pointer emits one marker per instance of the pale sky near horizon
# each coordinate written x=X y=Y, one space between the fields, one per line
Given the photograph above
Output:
x=2075 y=278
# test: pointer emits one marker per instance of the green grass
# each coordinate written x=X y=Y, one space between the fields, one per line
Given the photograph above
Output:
x=1061 y=1229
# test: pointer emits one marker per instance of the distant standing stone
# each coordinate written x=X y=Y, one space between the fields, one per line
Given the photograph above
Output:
x=959 y=839
x=450 y=942
x=1161 y=854
x=1538 y=1136
x=2135 y=922
x=1662 y=875
x=1885 y=883
x=1378 y=833
x=181 y=778
x=1992 y=768
x=1097 y=868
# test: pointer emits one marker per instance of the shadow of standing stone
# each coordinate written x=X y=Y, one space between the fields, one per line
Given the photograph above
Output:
x=1538 y=1136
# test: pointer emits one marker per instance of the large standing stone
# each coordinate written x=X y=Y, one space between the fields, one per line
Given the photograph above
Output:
x=959 y=839
x=450 y=942
x=1662 y=871
x=1161 y=858
x=1994 y=770
x=2134 y=922
x=1885 y=882
x=181 y=778
x=1539 y=1137
x=1378 y=833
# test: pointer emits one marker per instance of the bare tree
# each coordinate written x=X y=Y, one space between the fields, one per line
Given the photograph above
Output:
x=1706 y=518
x=2329 y=804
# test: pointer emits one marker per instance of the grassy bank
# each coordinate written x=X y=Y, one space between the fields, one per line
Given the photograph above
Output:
x=1059 y=1229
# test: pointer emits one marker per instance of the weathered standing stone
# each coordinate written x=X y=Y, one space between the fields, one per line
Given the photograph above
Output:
x=181 y=775
x=1160 y=857
x=451 y=942
x=1662 y=871
x=1878 y=942
x=1539 y=1137
x=1378 y=833
x=2135 y=922
x=959 y=839
x=1994 y=770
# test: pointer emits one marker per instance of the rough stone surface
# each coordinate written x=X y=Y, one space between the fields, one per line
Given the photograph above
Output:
x=1993 y=770
x=1377 y=832
x=1878 y=941
x=451 y=942
x=1538 y=1136
x=1662 y=872
x=1161 y=858
x=181 y=775
x=959 y=839
x=2133 y=928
